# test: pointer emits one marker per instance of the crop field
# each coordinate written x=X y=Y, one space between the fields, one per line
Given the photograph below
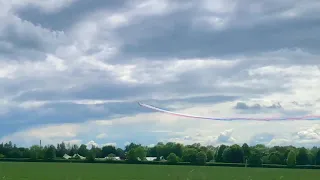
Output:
x=83 y=171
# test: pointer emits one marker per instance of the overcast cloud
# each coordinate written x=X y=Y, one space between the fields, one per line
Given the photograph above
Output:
x=74 y=70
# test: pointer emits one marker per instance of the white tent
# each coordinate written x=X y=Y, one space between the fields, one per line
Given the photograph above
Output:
x=66 y=156
x=113 y=158
x=78 y=156
x=151 y=158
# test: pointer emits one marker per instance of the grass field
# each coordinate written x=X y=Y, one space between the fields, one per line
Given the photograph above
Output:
x=83 y=171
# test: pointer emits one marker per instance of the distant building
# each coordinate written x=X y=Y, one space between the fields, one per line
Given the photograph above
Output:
x=66 y=156
x=151 y=158
x=75 y=156
x=113 y=158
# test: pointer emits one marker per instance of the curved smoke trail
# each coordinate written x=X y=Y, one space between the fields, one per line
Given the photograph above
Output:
x=311 y=117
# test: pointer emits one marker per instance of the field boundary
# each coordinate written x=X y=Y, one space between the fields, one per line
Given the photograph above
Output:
x=156 y=163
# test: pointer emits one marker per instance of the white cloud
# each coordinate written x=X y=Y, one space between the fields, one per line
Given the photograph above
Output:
x=91 y=144
x=48 y=134
x=280 y=142
x=227 y=13
x=178 y=129
x=312 y=134
x=225 y=137
x=211 y=132
x=219 y=6
x=73 y=142
x=101 y=136
x=32 y=104
x=160 y=72
x=109 y=144
x=47 y=6
x=40 y=67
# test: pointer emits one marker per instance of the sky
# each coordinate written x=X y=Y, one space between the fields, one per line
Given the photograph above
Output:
x=74 y=70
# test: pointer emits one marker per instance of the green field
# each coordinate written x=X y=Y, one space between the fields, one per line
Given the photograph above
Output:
x=84 y=171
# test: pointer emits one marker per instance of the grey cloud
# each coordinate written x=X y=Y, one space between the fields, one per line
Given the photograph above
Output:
x=20 y=54
x=170 y=36
x=182 y=42
x=295 y=113
x=210 y=81
x=71 y=112
x=182 y=39
x=257 y=108
x=65 y=18
x=241 y=105
x=175 y=35
x=64 y=112
x=302 y=104
x=191 y=102
x=91 y=85
x=95 y=86
x=244 y=106
x=101 y=91
x=22 y=40
x=208 y=99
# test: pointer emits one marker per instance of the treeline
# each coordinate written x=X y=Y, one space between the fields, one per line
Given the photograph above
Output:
x=172 y=153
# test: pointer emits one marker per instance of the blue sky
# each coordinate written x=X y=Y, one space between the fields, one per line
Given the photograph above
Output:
x=73 y=70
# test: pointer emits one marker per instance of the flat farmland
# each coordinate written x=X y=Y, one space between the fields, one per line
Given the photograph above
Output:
x=84 y=171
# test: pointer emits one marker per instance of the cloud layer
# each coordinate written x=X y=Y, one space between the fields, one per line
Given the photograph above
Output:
x=70 y=76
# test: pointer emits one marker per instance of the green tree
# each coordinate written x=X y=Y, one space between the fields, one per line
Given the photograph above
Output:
x=311 y=158
x=255 y=157
x=317 y=158
x=160 y=150
x=50 y=153
x=209 y=155
x=140 y=153
x=131 y=156
x=120 y=153
x=15 y=153
x=302 y=156
x=74 y=150
x=136 y=153
x=83 y=151
x=131 y=146
x=261 y=148
x=177 y=148
x=275 y=158
x=281 y=154
x=201 y=158
x=108 y=150
x=233 y=154
x=91 y=155
x=172 y=158
x=25 y=153
x=291 y=160
x=163 y=150
x=265 y=160
x=246 y=151
x=152 y=151
x=218 y=155
x=97 y=151
x=189 y=155
x=36 y=152
x=61 y=150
